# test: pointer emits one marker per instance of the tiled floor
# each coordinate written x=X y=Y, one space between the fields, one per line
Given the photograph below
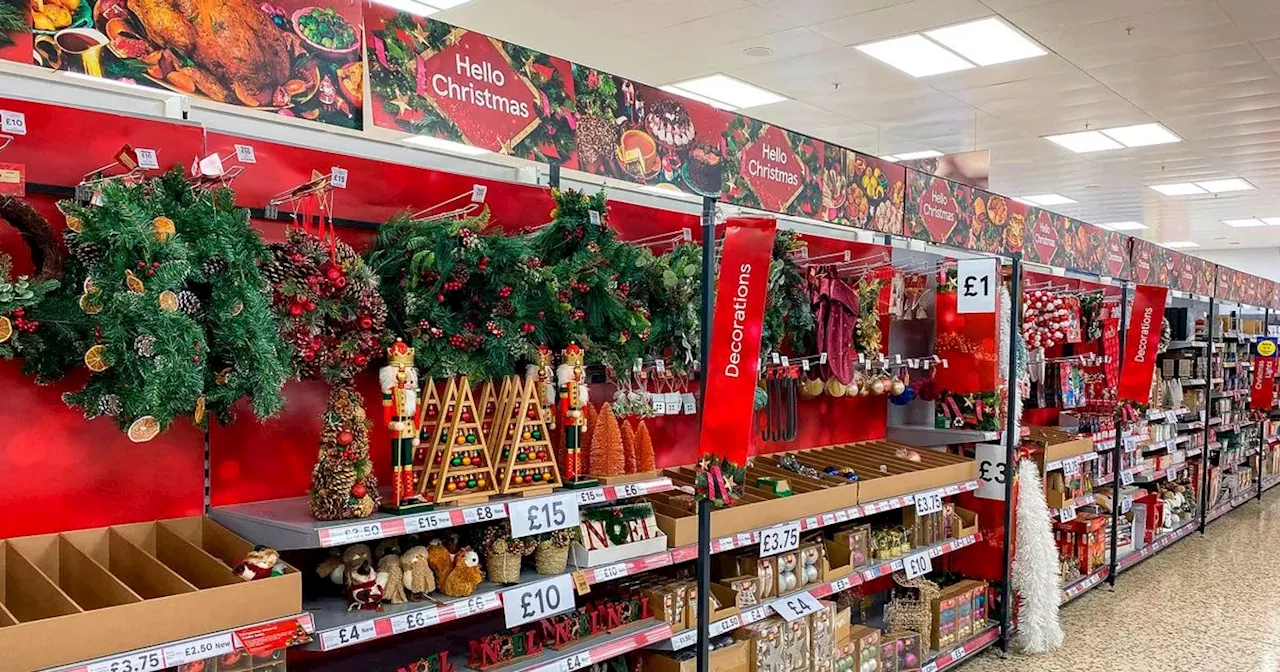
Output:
x=1207 y=604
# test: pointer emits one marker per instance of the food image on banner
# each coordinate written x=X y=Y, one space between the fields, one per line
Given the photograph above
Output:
x=950 y=213
x=430 y=78
x=293 y=57
x=15 y=30
x=634 y=132
x=1150 y=263
x=771 y=168
x=861 y=191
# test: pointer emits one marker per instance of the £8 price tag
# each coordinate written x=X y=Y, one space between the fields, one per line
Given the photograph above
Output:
x=796 y=606
x=780 y=538
x=484 y=513
x=537 y=516
x=917 y=565
x=536 y=601
x=928 y=502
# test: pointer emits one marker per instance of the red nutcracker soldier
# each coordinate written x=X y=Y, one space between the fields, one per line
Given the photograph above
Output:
x=571 y=380
x=399 y=383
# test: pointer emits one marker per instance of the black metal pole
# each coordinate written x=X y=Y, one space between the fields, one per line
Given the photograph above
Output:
x=1010 y=443
x=704 y=505
x=1117 y=450
x=553 y=175
x=1208 y=400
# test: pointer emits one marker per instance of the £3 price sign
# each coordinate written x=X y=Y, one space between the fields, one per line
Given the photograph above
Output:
x=545 y=514
x=536 y=601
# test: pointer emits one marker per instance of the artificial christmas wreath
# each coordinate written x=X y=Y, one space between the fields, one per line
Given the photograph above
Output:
x=788 y=310
x=19 y=333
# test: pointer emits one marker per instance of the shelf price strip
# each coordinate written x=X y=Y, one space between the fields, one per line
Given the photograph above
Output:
x=396 y=624
x=1080 y=587
x=177 y=653
x=958 y=653
x=1156 y=546
x=580 y=659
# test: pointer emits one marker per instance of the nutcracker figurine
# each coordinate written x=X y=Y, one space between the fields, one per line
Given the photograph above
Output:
x=543 y=375
x=571 y=380
x=399 y=383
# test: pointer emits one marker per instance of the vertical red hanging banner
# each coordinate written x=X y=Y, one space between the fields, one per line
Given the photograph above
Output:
x=1142 y=340
x=1264 y=374
x=733 y=364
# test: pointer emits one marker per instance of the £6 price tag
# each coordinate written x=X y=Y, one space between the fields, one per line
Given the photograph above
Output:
x=547 y=514
x=414 y=620
x=796 y=606
x=536 y=601
x=917 y=565
x=780 y=538
x=627 y=491
x=928 y=502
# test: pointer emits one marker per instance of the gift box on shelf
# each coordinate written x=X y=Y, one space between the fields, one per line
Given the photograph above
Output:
x=728 y=658
x=1090 y=540
x=612 y=534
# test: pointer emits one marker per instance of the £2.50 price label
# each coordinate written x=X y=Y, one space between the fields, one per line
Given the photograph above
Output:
x=537 y=516
x=917 y=565
x=780 y=538
x=188 y=652
x=536 y=601
x=796 y=606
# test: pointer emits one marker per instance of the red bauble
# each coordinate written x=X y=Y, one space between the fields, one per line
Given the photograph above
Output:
x=310 y=305
x=359 y=491
x=332 y=271
x=308 y=355
x=296 y=310
x=361 y=360
x=340 y=283
x=345 y=438
x=366 y=322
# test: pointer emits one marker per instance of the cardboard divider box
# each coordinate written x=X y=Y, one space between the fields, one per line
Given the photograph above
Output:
x=731 y=658
x=90 y=593
x=883 y=472
x=1059 y=444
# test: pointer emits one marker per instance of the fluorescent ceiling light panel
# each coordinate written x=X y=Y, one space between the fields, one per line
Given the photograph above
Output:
x=728 y=91
x=1049 y=199
x=1178 y=189
x=1179 y=244
x=1084 y=141
x=1243 y=223
x=890 y=158
x=1224 y=186
x=450 y=146
x=1124 y=226
x=915 y=55
x=912 y=156
x=1142 y=135
x=986 y=41
x=670 y=88
x=1272 y=221
x=410 y=6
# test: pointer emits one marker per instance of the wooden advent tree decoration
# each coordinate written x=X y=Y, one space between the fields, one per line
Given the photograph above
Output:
x=460 y=466
x=527 y=463
x=488 y=407
x=606 y=447
x=502 y=423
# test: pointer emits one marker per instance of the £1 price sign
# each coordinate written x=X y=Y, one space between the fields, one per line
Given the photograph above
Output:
x=545 y=514
x=976 y=285
x=536 y=601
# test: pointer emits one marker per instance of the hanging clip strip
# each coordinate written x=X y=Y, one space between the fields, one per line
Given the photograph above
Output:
x=432 y=213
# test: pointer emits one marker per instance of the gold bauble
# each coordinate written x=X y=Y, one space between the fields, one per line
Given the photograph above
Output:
x=877 y=386
x=836 y=388
x=811 y=387
x=897 y=386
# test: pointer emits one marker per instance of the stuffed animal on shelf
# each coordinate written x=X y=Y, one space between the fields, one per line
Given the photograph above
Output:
x=440 y=559
x=332 y=568
x=416 y=574
x=393 y=586
x=356 y=554
x=260 y=563
x=465 y=575
x=386 y=547
x=364 y=586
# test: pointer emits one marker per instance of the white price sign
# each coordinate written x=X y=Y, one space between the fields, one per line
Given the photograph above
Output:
x=576 y=661
x=484 y=513
x=993 y=470
x=134 y=662
x=1172 y=473
x=543 y=515
x=245 y=154
x=1171 y=416
x=1126 y=477
x=475 y=605
x=780 y=538
x=592 y=496
x=626 y=491
x=1067 y=513
x=147 y=159
x=840 y=585
x=414 y=620
x=348 y=635
x=685 y=639
x=353 y=533
x=338 y=177
x=13 y=122
x=536 y=601
x=796 y=606
x=1071 y=466
x=928 y=502
x=976 y=283
x=917 y=565
x=207 y=647
x=1126 y=505
x=610 y=572
x=1130 y=443
x=428 y=522
x=725 y=625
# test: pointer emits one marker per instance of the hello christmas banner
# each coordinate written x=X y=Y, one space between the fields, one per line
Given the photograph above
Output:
x=952 y=213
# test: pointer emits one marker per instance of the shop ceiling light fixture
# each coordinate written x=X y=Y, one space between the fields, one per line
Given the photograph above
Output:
x=986 y=41
x=428 y=142
x=1142 y=135
x=1178 y=244
x=415 y=7
x=1084 y=141
x=912 y=156
x=1046 y=199
x=915 y=55
x=1178 y=189
x=1227 y=185
x=719 y=88
x=1243 y=223
x=1124 y=226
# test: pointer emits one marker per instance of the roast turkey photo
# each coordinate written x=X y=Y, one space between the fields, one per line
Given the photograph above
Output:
x=292 y=58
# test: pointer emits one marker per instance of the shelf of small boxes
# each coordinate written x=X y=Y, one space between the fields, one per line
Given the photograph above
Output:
x=1158 y=544
x=286 y=524
x=1084 y=584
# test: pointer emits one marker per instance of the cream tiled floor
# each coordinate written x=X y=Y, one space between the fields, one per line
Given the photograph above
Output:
x=1206 y=604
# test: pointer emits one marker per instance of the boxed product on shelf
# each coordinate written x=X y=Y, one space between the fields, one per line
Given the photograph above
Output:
x=866 y=647
x=1091 y=540
x=595 y=546
x=167 y=580
x=732 y=656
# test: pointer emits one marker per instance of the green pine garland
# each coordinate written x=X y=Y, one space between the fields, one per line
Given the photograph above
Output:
x=18 y=335
x=788 y=313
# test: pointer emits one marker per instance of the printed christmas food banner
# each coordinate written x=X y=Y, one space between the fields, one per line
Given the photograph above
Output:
x=950 y=213
x=862 y=191
x=295 y=58
x=1191 y=274
x=1149 y=262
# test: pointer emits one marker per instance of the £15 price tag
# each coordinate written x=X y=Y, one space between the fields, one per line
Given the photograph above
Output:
x=780 y=538
x=428 y=522
x=917 y=565
x=189 y=652
x=928 y=502
x=147 y=159
x=591 y=496
x=338 y=177
x=796 y=606
x=536 y=601
x=14 y=123
x=537 y=516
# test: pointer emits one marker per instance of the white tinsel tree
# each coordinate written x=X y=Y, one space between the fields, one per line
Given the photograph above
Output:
x=1036 y=578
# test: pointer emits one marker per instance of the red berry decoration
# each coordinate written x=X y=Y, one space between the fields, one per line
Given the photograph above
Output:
x=345 y=438
x=366 y=322
x=296 y=310
x=359 y=491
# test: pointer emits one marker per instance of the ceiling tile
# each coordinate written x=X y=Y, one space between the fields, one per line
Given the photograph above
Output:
x=900 y=19
x=812 y=12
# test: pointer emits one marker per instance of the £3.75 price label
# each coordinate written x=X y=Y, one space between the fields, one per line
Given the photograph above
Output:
x=780 y=538
x=135 y=662
x=537 y=516
x=536 y=601
x=928 y=502
x=796 y=606
x=917 y=565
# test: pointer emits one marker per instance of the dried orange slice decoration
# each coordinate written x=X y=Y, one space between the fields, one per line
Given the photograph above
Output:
x=164 y=228
x=237 y=309
x=134 y=283
x=96 y=358
x=88 y=305
x=197 y=416
x=144 y=429
x=89 y=286
x=168 y=301
x=74 y=223
x=6 y=329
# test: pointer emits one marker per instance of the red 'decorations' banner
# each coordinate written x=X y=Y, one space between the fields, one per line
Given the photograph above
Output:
x=1142 y=340
x=734 y=362
x=1264 y=374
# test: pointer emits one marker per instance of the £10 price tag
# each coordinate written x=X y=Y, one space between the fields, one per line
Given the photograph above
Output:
x=245 y=154
x=928 y=502
x=917 y=565
x=199 y=649
x=611 y=572
x=147 y=661
x=538 y=516
x=536 y=601
x=14 y=123
x=147 y=159
x=796 y=606
x=780 y=538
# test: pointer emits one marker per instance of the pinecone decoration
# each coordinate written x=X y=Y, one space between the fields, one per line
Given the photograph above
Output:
x=145 y=345
x=273 y=271
x=331 y=488
x=109 y=404
x=188 y=302
x=88 y=254
x=213 y=266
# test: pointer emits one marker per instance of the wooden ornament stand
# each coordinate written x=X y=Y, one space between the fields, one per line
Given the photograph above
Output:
x=497 y=433
x=460 y=467
x=526 y=460
x=488 y=407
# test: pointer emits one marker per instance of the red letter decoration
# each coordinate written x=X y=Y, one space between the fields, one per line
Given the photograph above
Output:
x=734 y=360
x=1264 y=374
x=1141 y=342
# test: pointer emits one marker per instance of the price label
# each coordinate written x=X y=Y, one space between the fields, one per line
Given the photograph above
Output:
x=428 y=522
x=754 y=615
x=976 y=282
x=245 y=154
x=136 y=662
x=189 y=652
x=474 y=605
x=993 y=471
x=414 y=620
x=611 y=572
x=1067 y=513
x=536 y=601
x=627 y=490
x=1172 y=473
x=958 y=653
x=593 y=216
x=348 y=635
x=725 y=625
x=576 y=661
x=928 y=503
x=1130 y=443
x=917 y=565
x=478 y=192
x=484 y=513
x=147 y=159
x=796 y=606
x=1126 y=505
x=353 y=533
x=537 y=516
x=338 y=177
x=842 y=516
x=780 y=538
x=690 y=403
x=685 y=639
x=13 y=122
x=1171 y=416
x=592 y=496
x=1126 y=477
x=1071 y=466
x=840 y=585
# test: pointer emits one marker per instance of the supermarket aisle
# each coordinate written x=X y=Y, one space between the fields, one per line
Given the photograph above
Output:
x=1208 y=604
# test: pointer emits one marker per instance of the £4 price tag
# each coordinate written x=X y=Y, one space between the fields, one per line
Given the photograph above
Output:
x=536 y=601
x=575 y=661
x=796 y=606
x=537 y=516
x=917 y=565
x=928 y=502
x=780 y=538
x=348 y=635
